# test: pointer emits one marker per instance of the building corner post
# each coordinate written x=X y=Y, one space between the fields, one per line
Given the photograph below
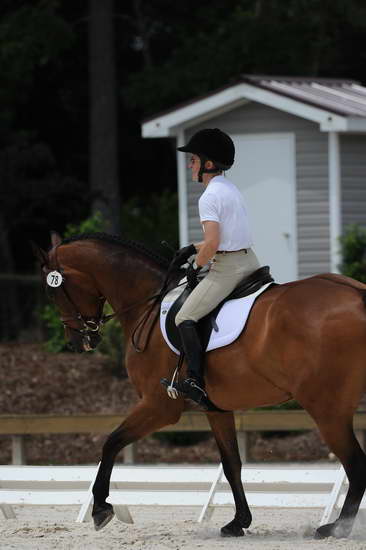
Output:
x=182 y=192
x=335 y=214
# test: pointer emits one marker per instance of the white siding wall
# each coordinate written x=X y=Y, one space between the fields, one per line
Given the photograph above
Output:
x=353 y=174
x=311 y=175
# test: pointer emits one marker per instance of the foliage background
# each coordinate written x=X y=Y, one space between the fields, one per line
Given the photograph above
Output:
x=353 y=251
x=166 y=52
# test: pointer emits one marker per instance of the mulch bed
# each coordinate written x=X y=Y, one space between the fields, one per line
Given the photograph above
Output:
x=34 y=381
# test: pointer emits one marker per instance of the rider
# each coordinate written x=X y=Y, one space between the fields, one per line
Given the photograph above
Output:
x=227 y=243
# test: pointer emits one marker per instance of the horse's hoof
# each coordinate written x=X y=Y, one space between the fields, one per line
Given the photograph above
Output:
x=232 y=529
x=102 y=517
x=323 y=532
x=339 y=530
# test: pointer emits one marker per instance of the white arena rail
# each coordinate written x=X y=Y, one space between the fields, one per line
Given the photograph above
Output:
x=285 y=486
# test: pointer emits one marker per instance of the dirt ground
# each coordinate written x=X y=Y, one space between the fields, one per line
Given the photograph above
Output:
x=34 y=381
x=168 y=528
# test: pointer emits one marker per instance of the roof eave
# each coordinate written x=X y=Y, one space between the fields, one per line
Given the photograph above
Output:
x=234 y=96
x=170 y=123
x=327 y=120
x=356 y=124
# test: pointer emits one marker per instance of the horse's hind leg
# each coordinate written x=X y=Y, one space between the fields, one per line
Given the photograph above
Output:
x=142 y=421
x=340 y=437
x=223 y=427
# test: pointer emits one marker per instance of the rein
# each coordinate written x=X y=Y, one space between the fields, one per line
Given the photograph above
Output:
x=138 y=330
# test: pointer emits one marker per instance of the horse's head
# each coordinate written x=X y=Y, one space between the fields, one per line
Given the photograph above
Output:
x=74 y=293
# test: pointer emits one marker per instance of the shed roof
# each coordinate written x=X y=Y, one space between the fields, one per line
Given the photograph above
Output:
x=345 y=97
x=336 y=104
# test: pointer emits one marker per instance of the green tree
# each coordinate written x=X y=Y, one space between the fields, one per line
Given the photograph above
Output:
x=32 y=37
x=226 y=39
x=152 y=219
x=103 y=112
x=166 y=52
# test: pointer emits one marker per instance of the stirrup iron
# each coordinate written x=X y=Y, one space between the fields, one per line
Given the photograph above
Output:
x=172 y=392
x=170 y=389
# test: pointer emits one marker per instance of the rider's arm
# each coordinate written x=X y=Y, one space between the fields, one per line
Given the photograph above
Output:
x=207 y=248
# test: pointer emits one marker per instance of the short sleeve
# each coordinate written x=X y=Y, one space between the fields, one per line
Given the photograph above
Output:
x=209 y=208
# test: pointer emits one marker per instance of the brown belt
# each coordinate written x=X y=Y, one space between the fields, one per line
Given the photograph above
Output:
x=230 y=251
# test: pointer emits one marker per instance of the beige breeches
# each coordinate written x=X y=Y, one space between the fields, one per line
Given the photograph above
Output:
x=226 y=272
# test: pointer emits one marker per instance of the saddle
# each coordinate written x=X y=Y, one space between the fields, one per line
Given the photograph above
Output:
x=248 y=285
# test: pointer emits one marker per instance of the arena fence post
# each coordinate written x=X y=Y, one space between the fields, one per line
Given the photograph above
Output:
x=129 y=454
x=8 y=511
x=208 y=508
x=243 y=445
x=18 y=450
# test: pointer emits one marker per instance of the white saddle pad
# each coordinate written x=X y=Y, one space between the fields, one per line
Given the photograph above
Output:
x=231 y=319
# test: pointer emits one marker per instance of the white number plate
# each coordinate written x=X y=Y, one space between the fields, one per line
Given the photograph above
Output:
x=54 y=279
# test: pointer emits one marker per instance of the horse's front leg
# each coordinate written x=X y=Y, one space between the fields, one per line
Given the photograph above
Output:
x=142 y=421
x=223 y=427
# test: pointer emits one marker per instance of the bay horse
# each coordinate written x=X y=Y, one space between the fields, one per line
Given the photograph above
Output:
x=304 y=340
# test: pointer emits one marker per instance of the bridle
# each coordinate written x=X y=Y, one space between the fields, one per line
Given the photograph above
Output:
x=92 y=324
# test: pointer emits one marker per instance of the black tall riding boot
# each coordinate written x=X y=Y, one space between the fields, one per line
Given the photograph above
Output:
x=193 y=385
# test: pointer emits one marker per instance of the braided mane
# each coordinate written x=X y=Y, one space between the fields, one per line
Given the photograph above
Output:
x=118 y=241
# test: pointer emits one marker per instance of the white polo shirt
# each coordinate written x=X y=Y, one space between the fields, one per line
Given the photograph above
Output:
x=222 y=202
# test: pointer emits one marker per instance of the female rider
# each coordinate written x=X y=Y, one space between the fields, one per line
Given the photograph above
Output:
x=227 y=243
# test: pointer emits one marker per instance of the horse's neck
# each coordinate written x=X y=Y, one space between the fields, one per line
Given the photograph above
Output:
x=127 y=281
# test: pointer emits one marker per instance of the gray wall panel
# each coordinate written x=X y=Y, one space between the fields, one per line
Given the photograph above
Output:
x=311 y=175
x=353 y=174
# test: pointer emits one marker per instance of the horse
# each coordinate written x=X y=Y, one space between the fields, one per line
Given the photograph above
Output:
x=304 y=340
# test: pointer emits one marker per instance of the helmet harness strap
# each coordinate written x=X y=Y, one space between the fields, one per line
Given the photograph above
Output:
x=203 y=170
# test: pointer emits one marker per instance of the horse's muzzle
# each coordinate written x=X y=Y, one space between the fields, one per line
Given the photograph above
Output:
x=94 y=340
x=87 y=343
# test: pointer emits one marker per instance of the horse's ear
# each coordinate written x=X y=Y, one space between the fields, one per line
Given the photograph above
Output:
x=39 y=253
x=55 y=238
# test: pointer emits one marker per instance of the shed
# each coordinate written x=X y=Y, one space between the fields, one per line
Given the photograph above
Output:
x=300 y=164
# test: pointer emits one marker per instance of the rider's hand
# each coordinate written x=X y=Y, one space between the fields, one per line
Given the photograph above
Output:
x=182 y=255
x=192 y=275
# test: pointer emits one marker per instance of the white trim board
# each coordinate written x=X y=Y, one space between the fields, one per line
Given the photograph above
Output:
x=170 y=123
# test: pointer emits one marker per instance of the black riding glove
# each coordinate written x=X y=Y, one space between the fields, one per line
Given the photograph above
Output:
x=192 y=276
x=182 y=255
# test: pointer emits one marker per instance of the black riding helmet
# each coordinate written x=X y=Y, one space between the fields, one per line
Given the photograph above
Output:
x=211 y=144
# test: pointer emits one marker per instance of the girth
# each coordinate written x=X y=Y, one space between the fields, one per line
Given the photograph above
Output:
x=248 y=285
